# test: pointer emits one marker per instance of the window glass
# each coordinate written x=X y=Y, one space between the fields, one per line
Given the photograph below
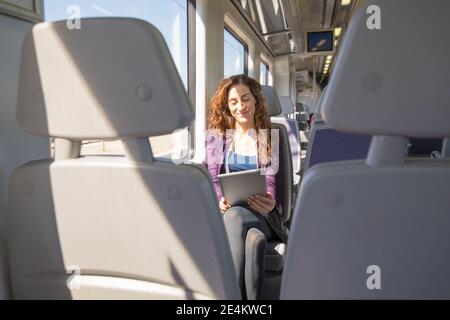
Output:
x=169 y=16
x=264 y=74
x=234 y=55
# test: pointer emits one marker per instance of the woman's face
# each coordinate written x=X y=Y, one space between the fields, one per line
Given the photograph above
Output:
x=241 y=103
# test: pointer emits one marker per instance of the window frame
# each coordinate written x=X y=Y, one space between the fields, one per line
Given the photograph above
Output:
x=14 y=10
x=191 y=71
x=230 y=30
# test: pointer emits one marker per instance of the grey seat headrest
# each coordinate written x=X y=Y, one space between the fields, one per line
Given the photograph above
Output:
x=384 y=77
x=287 y=106
x=272 y=102
x=113 y=78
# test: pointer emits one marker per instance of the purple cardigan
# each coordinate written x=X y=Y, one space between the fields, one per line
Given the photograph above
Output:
x=215 y=151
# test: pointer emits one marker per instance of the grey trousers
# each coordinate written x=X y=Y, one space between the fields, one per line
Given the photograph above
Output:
x=248 y=233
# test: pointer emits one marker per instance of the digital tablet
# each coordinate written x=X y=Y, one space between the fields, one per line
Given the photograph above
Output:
x=238 y=186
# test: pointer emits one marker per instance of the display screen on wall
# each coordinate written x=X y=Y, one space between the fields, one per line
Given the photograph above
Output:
x=321 y=41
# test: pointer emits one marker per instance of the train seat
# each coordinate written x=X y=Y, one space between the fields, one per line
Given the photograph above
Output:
x=284 y=179
x=328 y=145
x=110 y=227
x=284 y=176
x=378 y=228
x=276 y=249
x=294 y=134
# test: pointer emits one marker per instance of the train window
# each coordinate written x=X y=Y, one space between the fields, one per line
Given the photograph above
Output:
x=171 y=19
x=235 y=54
x=174 y=146
x=264 y=74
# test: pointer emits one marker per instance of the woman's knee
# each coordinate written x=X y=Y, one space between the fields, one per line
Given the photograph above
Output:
x=237 y=216
x=255 y=239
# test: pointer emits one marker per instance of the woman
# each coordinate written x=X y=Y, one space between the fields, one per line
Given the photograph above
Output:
x=239 y=138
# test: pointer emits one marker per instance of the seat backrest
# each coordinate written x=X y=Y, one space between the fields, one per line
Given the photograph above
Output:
x=110 y=227
x=328 y=145
x=424 y=147
x=295 y=143
x=287 y=106
x=284 y=176
x=379 y=228
x=292 y=126
x=293 y=133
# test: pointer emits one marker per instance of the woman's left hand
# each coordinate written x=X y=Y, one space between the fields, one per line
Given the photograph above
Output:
x=262 y=204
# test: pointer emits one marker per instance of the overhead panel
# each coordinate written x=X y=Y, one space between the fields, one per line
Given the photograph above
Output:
x=269 y=18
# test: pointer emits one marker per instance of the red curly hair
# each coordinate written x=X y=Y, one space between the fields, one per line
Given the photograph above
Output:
x=220 y=117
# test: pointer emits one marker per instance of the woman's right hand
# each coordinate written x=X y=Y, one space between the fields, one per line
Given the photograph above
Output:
x=224 y=206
